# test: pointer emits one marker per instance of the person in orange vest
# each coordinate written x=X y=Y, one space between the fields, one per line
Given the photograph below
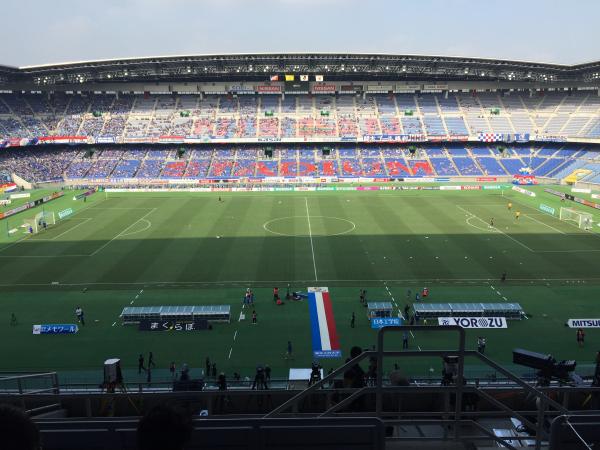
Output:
x=425 y=292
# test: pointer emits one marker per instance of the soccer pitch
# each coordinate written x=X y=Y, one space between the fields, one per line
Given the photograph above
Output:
x=147 y=249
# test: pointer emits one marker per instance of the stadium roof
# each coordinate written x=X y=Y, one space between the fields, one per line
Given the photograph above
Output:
x=334 y=66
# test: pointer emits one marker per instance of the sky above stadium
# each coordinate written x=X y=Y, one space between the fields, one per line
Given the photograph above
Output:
x=42 y=31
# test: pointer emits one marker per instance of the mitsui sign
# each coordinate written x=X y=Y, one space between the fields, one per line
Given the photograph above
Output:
x=474 y=322
x=583 y=323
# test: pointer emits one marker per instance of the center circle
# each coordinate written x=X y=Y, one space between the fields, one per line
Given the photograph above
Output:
x=303 y=226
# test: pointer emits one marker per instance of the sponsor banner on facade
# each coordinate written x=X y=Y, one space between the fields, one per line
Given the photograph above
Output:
x=523 y=191
x=105 y=140
x=407 y=87
x=486 y=179
x=173 y=325
x=323 y=88
x=381 y=322
x=24 y=195
x=435 y=87
x=379 y=89
x=85 y=194
x=549 y=138
x=61 y=139
x=65 y=213
x=517 y=137
x=171 y=139
x=394 y=138
x=583 y=323
x=474 y=322
x=242 y=89
x=268 y=89
x=547 y=209
x=55 y=328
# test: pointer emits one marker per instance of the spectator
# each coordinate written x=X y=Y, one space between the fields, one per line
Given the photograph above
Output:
x=222 y=382
x=185 y=373
x=164 y=428
x=354 y=377
x=17 y=430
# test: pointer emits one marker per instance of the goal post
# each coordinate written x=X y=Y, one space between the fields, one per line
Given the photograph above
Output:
x=37 y=223
x=583 y=220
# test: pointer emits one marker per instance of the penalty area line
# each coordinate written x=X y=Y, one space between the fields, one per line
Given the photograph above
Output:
x=122 y=232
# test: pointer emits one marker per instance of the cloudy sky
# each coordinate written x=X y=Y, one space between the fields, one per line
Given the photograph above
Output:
x=48 y=31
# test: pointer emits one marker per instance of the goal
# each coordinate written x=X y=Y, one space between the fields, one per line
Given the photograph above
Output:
x=37 y=223
x=583 y=220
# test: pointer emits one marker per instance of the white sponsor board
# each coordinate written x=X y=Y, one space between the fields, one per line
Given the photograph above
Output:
x=581 y=190
x=523 y=191
x=450 y=188
x=26 y=195
x=474 y=322
x=595 y=195
x=583 y=323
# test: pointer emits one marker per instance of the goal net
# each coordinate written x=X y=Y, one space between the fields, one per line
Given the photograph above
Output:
x=40 y=222
x=583 y=220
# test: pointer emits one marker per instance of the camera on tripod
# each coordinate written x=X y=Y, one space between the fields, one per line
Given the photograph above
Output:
x=547 y=367
x=315 y=373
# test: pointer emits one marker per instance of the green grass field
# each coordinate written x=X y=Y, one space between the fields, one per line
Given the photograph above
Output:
x=190 y=249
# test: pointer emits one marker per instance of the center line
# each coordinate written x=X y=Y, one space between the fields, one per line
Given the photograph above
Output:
x=312 y=249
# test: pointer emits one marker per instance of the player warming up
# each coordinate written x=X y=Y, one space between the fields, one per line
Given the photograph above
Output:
x=509 y=206
x=517 y=215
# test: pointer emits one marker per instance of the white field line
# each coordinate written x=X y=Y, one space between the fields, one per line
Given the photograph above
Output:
x=312 y=249
x=28 y=236
x=148 y=226
x=71 y=229
x=568 y=223
x=545 y=224
x=105 y=244
x=494 y=228
x=546 y=215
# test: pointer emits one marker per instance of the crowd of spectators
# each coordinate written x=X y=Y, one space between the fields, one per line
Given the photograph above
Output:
x=38 y=164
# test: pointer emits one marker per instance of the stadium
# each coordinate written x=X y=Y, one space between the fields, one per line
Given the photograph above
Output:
x=242 y=233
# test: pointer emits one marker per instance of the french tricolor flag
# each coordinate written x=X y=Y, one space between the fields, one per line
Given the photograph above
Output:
x=325 y=341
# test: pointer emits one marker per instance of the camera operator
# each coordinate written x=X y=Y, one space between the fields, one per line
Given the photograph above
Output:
x=259 y=379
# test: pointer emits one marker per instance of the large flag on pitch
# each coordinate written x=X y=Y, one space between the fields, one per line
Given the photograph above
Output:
x=325 y=341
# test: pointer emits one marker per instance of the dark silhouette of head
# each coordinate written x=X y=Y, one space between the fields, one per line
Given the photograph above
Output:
x=17 y=430
x=164 y=427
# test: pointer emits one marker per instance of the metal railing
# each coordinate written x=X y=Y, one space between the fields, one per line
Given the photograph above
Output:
x=455 y=388
x=18 y=383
